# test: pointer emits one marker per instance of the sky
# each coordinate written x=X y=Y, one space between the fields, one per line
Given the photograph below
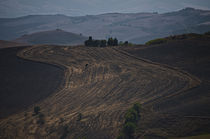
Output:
x=17 y=8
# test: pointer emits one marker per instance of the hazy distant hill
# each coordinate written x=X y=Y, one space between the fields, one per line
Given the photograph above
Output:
x=134 y=27
x=52 y=37
x=6 y=44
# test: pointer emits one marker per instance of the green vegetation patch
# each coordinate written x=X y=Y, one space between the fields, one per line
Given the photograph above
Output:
x=36 y=110
x=176 y=37
x=132 y=117
x=207 y=33
x=157 y=41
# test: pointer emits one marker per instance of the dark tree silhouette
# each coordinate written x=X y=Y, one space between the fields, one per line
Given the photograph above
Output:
x=89 y=42
x=103 y=43
x=126 y=43
x=115 y=42
x=110 y=41
x=36 y=110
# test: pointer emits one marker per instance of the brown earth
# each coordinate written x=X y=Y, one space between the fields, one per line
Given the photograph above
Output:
x=101 y=84
x=187 y=113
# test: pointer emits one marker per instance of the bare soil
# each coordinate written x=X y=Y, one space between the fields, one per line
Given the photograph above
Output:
x=102 y=83
x=190 y=109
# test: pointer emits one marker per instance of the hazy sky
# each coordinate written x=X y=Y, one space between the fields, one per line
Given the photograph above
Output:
x=15 y=8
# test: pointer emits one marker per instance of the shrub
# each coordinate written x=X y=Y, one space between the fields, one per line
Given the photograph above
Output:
x=126 y=43
x=121 y=136
x=79 y=117
x=36 y=110
x=137 y=107
x=207 y=33
x=65 y=132
x=95 y=43
x=115 y=42
x=129 y=129
x=41 y=119
x=110 y=41
x=89 y=42
x=103 y=43
x=156 y=41
x=131 y=116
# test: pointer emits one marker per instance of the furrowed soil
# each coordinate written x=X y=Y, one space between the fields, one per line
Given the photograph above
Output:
x=101 y=84
x=189 y=112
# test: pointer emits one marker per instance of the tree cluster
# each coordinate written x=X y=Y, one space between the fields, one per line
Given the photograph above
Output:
x=101 y=43
x=132 y=117
x=112 y=42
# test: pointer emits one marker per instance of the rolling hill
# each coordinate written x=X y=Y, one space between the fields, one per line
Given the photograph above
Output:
x=7 y=44
x=190 y=54
x=57 y=36
x=101 y=84
x=133 y=27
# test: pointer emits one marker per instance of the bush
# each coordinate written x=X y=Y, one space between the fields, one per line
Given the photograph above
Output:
x=156 y=41
x=89 y=42
x=115 y=42
x=126 y=43
x=41 y=119
x=36 y=110
x=129 y=129
x=137 y=107
x=65 y=132
x=79 y=117
x=132 y=117
x=121 y=136
x=207 y=33
x=110 y=42
x=103 y=43
x=95 y=43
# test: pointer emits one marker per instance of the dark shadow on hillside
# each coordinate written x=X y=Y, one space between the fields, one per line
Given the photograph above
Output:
x=24 y=82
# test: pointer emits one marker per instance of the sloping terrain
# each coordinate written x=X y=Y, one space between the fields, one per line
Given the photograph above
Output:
x=7 y=44
x=101 y=84
x=57 y=36
x=24 y=82
x=133 y=27
x=191 y=55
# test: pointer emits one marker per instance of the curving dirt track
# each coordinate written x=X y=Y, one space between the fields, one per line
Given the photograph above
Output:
x=100 y=83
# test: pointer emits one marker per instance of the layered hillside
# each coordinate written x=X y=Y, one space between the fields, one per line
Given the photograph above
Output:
x=133 y=27
x=57 y=36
